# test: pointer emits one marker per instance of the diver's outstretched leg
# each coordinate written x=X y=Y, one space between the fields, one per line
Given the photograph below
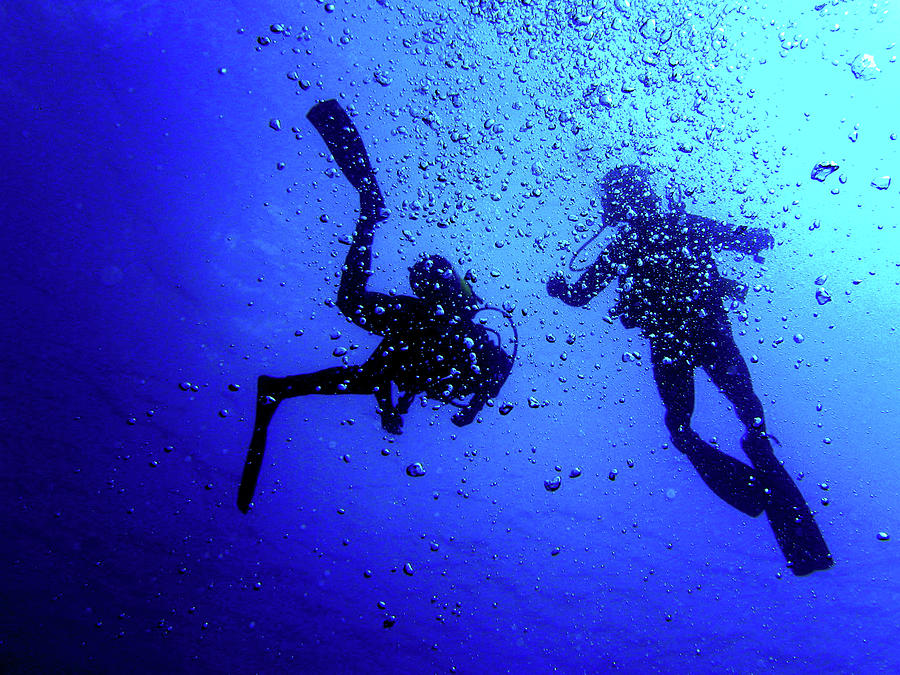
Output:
x=270 y=391
x=348 y=150
x=795 y=529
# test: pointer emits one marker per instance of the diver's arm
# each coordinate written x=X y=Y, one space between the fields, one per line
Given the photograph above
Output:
x=594 y=279
x=750 y=240
x=742 y=239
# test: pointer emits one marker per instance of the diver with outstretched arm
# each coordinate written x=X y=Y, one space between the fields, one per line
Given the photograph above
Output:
x=431 y=345
x=671 y=289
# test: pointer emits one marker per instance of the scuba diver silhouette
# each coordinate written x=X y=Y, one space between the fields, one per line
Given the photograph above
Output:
x=671 y=289
x=431 y=343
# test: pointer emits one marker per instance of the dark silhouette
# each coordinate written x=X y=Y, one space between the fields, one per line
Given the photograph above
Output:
x=671 y=289
x=431 y=344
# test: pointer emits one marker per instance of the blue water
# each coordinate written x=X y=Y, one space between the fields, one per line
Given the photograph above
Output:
x=157 y=260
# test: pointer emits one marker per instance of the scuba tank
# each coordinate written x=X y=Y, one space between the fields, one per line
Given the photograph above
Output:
x=462 y=401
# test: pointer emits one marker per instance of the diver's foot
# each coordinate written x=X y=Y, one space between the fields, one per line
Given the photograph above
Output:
x=267 y=389
x=343 y=140
x=250 y=475
x=792 y=522
x=798 y=535
x=733 y=481
x=804 y=566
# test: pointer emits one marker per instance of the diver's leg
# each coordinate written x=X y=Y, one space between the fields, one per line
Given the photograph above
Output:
x=273 y=390
x=270 y=391
x=348 y=150
x=728 y=371
x=795 y=529
x=338 y=380
x=729 y=478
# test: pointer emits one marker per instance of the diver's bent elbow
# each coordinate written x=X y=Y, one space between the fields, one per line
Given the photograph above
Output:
x=348 y=303
x=575 y=300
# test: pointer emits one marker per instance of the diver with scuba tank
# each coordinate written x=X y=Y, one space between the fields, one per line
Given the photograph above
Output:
x=670 y=288
x=431 y=345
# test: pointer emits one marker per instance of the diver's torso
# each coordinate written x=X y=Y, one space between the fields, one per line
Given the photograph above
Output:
x=440 y=354
x=668 y=277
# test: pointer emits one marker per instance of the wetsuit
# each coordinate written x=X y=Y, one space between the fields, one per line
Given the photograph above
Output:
x=430 y=347
x=670 y=288
x=431 y=344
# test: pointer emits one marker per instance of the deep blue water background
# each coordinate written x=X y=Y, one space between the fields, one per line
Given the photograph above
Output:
x=155 y=256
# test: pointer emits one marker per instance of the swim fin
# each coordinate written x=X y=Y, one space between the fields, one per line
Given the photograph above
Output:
x=796 y=531
x=252 y=466
x=732 y=481
x=347 y=148
x=266 y=404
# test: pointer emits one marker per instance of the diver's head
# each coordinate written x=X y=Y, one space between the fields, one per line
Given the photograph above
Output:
x=432 y=277
x=626 y=192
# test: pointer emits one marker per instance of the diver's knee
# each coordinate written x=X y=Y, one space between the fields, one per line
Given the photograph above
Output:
x=685 y=439
x=677 y=425
x=344 y=301
x=350 y=305
x=266 y=385
x=752 y=416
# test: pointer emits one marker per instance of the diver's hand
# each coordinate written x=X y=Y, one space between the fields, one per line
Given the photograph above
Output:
x=734 y=289
x=758 y=239
x=465 y=416
x=557 y=286
x=392 y=422
x=405 y=401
